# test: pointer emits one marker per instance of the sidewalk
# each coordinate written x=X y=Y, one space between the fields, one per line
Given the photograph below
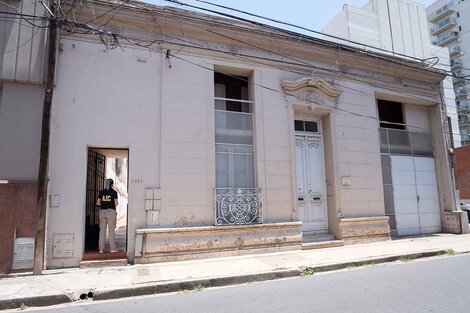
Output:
x=60 y=286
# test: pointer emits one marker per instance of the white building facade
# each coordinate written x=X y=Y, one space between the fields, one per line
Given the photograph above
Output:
x=449 y=22
x=239 y=139
x=398 y=26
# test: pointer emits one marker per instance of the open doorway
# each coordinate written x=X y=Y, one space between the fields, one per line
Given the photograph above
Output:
x=104 y=163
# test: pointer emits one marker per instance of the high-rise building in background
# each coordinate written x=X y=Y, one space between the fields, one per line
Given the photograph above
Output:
x=449 y=23
x=400 y=27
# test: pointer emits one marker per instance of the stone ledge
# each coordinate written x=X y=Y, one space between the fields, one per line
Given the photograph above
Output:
x=218 y=228
x=364 y=229
x=171 y=244
x=455 y=222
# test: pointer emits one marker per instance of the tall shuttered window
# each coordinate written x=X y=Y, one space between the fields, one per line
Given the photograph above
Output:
x=237 y=200
x=233 y=133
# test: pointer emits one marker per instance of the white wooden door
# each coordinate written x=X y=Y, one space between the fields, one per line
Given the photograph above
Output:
x=415 y=195
x=428 y=199
x=311 y=199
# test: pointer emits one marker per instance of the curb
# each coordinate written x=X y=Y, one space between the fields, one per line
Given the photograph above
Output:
x=37 y=301
x=161 y=288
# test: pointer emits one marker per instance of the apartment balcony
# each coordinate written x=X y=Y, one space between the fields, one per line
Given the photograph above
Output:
x=465 y=139
x=441 y=12
x=464 y=121
x=458 y=81
x=462 y=94
x=443 y=25
x=455 y=51
x=446 y=39
x=456 y=65
x=463 y=107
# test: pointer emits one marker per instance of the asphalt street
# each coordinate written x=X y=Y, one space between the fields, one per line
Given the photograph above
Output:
x=432 y=285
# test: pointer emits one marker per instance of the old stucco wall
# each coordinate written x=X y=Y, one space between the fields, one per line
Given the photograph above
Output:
x=20 y=131
x=102 y=99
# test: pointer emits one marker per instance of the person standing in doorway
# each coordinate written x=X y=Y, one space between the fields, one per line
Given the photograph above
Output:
x=107 y=201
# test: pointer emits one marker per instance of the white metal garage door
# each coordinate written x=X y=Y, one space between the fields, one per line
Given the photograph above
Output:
x=415 y=195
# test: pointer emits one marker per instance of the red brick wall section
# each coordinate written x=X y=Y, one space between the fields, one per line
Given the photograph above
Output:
x=18 y=213
x=462 y=172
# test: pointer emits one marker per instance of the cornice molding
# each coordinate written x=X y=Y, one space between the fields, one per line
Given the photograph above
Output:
x=135 y=21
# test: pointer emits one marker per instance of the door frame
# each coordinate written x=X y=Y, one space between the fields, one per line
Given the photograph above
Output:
x=107 y=148
x=319 y=134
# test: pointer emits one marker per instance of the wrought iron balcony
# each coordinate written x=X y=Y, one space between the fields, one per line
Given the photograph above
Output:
x=238 y=206
x=446 y=39
x=444 y=25
x=442 y=12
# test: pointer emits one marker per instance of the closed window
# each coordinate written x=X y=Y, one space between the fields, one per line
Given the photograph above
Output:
x=306 y=126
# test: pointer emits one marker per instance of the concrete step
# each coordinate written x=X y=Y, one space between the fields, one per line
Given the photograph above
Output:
x=103 y=263
x=314 y=233
x=318 y=238
x=322 y=244
x=95 y=259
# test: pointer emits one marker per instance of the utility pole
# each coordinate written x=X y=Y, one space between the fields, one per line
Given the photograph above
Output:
x=39 y=242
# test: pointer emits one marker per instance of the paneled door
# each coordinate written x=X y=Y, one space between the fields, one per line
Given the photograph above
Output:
x=311 y=198
x=415 y=195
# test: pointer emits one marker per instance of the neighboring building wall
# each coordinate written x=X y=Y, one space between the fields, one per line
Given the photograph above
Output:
x=370 y=25
x=22 y=67
x=18 y=207
x=455 y=21
x=22 y=44
x=20 y=131
x=462 y=172
x=399 y=26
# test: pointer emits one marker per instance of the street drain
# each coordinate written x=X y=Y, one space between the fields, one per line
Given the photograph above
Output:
x=85 y=296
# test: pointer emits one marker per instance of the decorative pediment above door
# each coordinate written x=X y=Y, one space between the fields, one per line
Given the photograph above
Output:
x=308 y=92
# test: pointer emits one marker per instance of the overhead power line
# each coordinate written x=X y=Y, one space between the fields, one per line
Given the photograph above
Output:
x=24 y=17
x=303 y=28
x=285 y=24
x=113 y=39
x=198 y=46
x=131 y=40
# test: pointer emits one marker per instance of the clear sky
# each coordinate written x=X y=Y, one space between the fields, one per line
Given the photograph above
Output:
x=312 y=14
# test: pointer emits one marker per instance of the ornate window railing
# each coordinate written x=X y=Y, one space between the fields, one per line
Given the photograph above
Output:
x=238 y=206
